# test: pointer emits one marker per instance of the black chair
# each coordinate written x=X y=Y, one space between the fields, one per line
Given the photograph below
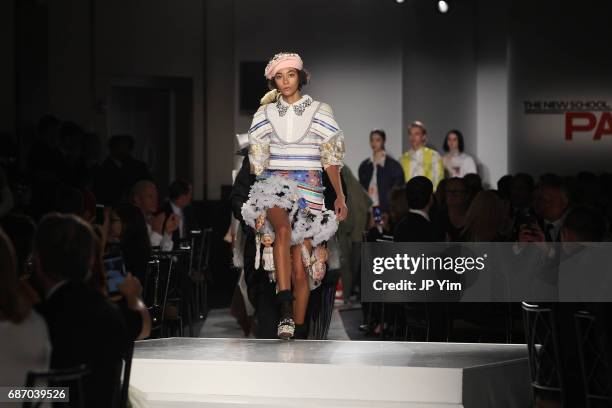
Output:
x=69 y=377
x=594 y=364
x=180 y=292
x=542 y=338
x=156 y=288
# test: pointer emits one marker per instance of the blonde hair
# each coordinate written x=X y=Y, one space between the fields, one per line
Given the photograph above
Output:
x=418 y=124
x=13 y=306
x=485 y=218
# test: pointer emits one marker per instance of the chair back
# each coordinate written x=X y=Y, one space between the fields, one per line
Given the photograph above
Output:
x=542 y=340
x=594 y=364
x=69 y=377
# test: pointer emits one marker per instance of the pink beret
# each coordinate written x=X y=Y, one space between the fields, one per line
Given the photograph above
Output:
x=281 y=61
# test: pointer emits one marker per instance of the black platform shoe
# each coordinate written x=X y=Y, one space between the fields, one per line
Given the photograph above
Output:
x=286 y=325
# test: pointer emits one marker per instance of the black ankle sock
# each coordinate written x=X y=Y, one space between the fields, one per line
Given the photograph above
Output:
x=285 y=300
x=285 y=296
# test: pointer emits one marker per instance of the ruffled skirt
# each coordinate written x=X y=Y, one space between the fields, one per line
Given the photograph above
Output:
x=300 y=192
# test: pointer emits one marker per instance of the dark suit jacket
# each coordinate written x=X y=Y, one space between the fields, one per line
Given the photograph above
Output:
x=189 y=222
x=415 y=228
x=135 y=242
x=87 y=328
x=387 y=177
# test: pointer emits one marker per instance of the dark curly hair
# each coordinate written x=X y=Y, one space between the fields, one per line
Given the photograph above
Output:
x=303 y=78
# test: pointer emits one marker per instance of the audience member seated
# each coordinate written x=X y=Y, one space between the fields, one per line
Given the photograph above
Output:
x=452 y=219
x=144 y=197
x=551 y=206
x=486 y=219
x=473 y=183
x=416 y=225
x=135 y=244
x=25 y=341
x=84 y=326
x=180 y=194
x=504 y=187
x=521 y=193
x=127 y=294
x=119 y=172
x=20 y=229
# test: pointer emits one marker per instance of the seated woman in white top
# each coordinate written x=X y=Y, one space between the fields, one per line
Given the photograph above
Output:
x=25 y=341
x=456 y=162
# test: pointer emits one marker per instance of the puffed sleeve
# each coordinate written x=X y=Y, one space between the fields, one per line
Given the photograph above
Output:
x=332 y=143
x=259 y=142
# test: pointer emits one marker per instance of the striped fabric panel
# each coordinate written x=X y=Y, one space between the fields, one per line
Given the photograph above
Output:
x=314 y=200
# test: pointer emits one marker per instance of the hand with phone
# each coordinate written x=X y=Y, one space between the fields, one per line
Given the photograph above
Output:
x=130 y=288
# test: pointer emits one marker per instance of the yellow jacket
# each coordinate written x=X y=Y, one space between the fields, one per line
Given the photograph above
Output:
x=423 y=162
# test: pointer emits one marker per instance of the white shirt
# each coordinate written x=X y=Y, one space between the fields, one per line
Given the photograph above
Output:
x=373 y=187
x=291 y=126
x=25 y=347
x=421 y=213
x=179 y=212
x=164 y=242
x=459 y=164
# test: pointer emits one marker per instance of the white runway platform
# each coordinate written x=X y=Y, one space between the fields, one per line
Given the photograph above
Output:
x=198 y=372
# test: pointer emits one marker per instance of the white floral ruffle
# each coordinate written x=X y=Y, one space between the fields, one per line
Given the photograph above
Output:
x=282 y=192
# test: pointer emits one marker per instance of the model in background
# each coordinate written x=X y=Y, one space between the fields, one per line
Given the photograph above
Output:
x=456 y=162
x=381 y=172
x=421 y=160
x=293 y=138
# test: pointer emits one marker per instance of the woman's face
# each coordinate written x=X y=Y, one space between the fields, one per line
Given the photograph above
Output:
x=287 y=81
x=376 y=142
x=453 y=142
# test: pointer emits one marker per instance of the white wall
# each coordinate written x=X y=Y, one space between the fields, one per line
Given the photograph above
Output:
x=440 y=71
x=491 y=147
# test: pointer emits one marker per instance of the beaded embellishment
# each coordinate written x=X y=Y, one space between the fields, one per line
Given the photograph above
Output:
x=298 y=109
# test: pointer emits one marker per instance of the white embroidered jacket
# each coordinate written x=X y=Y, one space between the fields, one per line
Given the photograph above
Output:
x=301 y=136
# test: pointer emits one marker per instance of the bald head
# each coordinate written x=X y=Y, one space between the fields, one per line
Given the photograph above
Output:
x=144 y=196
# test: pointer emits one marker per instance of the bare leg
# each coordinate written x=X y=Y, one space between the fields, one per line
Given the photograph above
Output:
x=282 y=230
x=301 y=290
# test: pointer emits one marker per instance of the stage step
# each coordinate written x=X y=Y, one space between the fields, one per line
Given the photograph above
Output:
x=198 y=372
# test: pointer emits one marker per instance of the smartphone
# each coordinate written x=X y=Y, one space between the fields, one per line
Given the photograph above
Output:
x=115 y=273
x=99 y=214
x=376 y=211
